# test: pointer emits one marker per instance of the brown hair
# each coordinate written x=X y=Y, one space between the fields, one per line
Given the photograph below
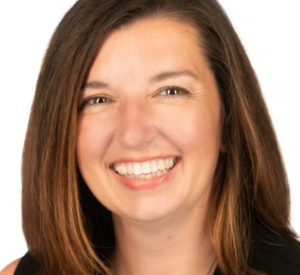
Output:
x=67 y=230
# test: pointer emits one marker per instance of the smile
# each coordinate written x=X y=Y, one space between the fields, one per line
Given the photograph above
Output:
x=142 y=181
x=146 y=169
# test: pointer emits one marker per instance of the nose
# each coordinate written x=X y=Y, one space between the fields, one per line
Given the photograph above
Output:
x=135 y=128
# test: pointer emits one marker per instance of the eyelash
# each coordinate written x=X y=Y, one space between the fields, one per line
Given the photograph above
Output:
x=184 y=92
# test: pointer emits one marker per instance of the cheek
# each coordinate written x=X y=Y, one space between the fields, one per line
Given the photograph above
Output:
x=191 y=128
x=92 y=139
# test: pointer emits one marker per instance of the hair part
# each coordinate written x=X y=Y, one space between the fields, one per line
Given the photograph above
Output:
x=67 y=230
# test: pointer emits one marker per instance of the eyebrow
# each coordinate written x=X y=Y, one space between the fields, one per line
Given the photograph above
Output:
x=172 y=74
x=98 y=85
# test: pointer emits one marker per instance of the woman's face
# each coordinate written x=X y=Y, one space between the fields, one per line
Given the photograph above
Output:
x=150 y=98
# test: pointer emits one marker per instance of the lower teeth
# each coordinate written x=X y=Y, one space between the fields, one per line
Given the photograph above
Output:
x=147 y=176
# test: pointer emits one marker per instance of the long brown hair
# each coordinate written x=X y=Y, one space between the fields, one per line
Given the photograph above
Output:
x=67 y=230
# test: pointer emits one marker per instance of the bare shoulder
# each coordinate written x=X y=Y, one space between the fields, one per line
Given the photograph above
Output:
x=10 y=269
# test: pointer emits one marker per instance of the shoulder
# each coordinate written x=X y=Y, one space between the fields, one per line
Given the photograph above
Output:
x=26 y=265
x=281 y=258
x=273 y=252
x=10 y=269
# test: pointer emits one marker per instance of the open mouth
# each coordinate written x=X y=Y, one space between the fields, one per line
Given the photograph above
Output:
x=133 y=171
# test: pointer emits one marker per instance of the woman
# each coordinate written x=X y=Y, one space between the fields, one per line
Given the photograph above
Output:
x=150 y=149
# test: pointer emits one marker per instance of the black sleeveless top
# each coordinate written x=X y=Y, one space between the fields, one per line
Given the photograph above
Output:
x=281 y=259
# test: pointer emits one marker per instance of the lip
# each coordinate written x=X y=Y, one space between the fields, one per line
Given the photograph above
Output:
x=147 y=184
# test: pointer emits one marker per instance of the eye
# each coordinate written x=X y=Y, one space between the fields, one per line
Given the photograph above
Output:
x=173 y=92
x=94 y=101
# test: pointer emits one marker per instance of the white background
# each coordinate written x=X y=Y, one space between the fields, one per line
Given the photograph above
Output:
x=269 y=30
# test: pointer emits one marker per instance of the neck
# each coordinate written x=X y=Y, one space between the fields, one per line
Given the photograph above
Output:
x=176 y=245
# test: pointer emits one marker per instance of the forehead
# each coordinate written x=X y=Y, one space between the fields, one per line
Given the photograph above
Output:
x=148 y=46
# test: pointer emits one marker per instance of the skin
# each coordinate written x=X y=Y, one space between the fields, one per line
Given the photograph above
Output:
x=10 y=269
x=163 y=230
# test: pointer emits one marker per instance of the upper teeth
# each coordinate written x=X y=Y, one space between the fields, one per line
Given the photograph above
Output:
x=146 y=167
